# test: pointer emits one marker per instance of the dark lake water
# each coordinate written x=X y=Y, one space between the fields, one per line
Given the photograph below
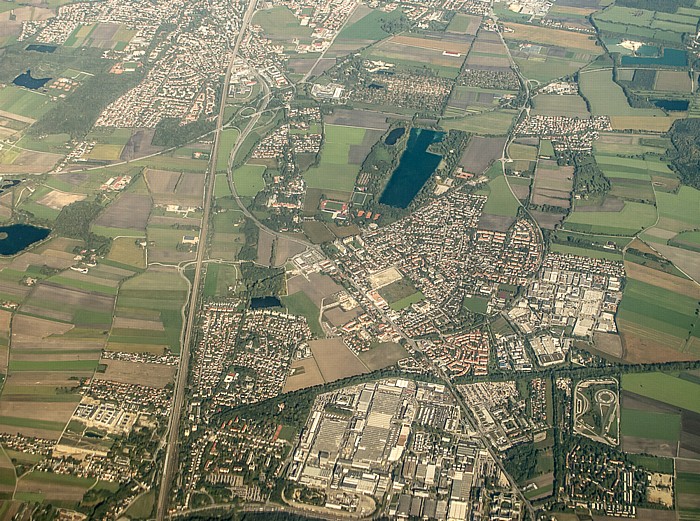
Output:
x=19 y=237
x=26 y=80
x=265 y=302
x=394 y=136
x=670 y=58
x=671 y=104
x=415 y=168
x=40 y=47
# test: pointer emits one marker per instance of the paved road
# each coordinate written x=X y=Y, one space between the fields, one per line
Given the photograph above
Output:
x=170 y=466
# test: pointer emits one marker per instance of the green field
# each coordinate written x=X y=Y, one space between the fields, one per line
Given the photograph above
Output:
x=632 y=218
x=476 y=304
x=299 y=303
x=684 y=206
x=157 y=296
x=606 y=98
x=221 y=188
x=651 y=306
x=586 y=252
x=23 y=102
x=369 y=27
x=494 y=123
x=227 y=140
x=500 y=199
x=279 y=23
x=407 y=301
x=248 y=180
x=665 y=388
x=334 y=171
x=53 y=365
x=653 y=464
x=655 y=425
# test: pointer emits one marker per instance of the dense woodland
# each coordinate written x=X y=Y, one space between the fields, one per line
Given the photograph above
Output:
x=685 y=136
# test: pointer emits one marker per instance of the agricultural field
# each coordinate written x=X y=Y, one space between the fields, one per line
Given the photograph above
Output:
x=572 y=106
x=547 y=36
x=609 y=143
x=664 y=387
x=606 y=98
x=632 y=218
x=649 y=25
x=658 y=310
x=335 y=360
x=154 y=296
x=416 y=52
x=344 y=149
x=553 y=185
x=480 y=153
x=493 y=123
x=464 y=24
x=28 y=105
x=382 y=354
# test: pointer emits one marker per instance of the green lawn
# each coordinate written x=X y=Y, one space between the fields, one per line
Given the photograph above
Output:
x=664 y=388
x=279 y=23
x=248 y=180
x=476 y=304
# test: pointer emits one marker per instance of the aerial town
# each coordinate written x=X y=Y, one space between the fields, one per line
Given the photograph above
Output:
x=343 y=259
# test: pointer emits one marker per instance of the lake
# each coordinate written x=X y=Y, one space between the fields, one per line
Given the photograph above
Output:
x=394 y=136
x=671 y=104
x=265 y=302
x=40 y=48
x=415 y=168
x=26 y=80
x=670 y=58
x=17 y=237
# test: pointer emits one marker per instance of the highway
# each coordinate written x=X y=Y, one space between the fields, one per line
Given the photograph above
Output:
x=170 y=466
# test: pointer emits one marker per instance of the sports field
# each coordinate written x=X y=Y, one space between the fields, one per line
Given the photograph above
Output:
x=334 y=171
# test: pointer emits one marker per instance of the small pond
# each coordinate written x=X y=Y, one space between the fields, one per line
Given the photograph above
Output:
x=265 y=302
x=394 y=136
